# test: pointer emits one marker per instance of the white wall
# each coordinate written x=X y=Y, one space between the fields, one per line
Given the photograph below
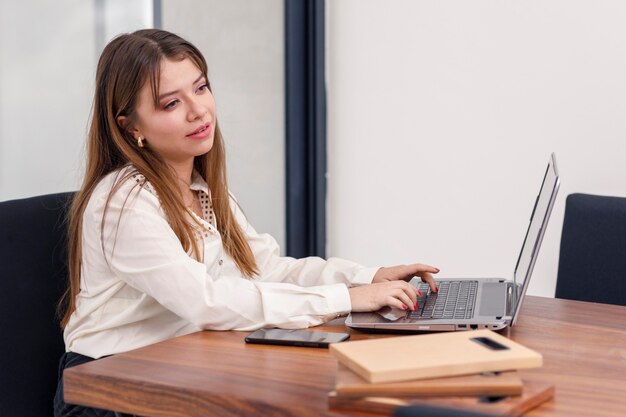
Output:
x=47 y=62
x=121 y=16
x=47 y=69
x=442 y=116
x=243 y=43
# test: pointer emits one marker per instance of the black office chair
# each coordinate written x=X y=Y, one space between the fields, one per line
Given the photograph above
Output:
x=33 y=276
x=592 y=261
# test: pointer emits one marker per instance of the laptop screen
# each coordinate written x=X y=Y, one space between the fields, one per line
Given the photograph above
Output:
x=536 y=229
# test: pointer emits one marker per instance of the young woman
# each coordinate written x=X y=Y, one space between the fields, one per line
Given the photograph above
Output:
x=159 y=248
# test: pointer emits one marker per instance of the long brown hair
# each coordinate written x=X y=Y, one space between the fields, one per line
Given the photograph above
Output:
x=126 y=64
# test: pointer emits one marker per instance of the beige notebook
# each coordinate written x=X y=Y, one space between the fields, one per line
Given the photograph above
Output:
x=405 y=358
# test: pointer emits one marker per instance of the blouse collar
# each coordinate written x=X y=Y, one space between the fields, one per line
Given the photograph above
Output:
x=198 y=183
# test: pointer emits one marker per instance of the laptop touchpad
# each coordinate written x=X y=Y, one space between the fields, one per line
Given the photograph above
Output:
x=392 y=314
x=493 y=300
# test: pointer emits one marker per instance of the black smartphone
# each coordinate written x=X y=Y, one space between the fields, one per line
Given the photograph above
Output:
x=308 y=338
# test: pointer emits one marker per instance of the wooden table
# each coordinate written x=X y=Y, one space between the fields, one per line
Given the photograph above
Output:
x=216 y=374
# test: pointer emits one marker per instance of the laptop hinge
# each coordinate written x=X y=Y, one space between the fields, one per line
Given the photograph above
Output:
x=512 y=294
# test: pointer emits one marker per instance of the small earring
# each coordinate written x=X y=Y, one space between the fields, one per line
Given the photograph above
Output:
x=140 y=142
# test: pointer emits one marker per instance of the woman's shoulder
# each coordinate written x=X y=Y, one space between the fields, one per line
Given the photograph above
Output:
x=123 y=186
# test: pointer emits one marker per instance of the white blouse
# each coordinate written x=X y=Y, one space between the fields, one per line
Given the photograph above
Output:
x=138 y=286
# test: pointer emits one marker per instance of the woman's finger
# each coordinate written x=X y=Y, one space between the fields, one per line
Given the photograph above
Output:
x=407 y=288
x=392 y=301
x=405 y=298
x=423 y=268
x=412 y=291
x=430 y=280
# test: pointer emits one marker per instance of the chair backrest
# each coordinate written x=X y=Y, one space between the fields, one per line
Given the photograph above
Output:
x=592 y=261
x=33 y=275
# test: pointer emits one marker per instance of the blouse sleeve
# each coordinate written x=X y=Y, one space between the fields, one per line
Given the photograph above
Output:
x=305 y=272
x=142 y=250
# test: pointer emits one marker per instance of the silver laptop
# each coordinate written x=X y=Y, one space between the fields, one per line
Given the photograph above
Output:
x=466 y=304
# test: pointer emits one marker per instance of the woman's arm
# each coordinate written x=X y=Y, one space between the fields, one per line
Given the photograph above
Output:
x=314 y=270
x=304 y=271
x=143 y=251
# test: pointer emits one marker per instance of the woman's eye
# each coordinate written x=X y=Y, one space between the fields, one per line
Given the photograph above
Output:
x=170 y=105
x=203 y=88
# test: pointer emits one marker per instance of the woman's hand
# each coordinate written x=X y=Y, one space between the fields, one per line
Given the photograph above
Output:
x=406 y=272
x=397 y=293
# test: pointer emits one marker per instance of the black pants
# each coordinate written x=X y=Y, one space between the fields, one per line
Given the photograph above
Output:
x=61 y=408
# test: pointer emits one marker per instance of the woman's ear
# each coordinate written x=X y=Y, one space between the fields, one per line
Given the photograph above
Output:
x=124 y=123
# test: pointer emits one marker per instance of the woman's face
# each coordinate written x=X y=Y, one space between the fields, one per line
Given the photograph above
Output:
x=183 y=124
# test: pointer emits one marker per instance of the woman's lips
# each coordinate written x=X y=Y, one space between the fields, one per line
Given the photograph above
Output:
x=201 y=132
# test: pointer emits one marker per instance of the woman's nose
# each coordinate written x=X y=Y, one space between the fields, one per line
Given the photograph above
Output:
x=197 y=110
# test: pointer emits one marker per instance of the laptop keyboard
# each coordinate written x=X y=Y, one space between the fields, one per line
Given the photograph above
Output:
x=455 y=300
